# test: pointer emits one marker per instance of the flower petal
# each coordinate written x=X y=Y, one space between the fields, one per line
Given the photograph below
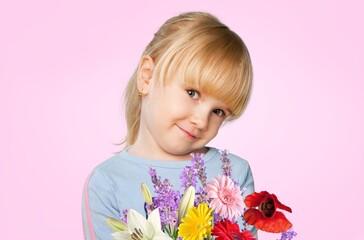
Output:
x=197 y=223
x=122 y=235
x=255 y=199
x=154 y=219
x=226 y=230
x=137 y=221
x=146 y=194
x=186 y=202
x=225 y=197
x=251 y=216
x=280 y=205
x=116 y=224
x=247 y=235
x=277 y=223
x=161 y=236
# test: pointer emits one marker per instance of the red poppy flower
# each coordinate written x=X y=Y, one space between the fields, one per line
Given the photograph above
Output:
x=266 y=217
x=226 y=230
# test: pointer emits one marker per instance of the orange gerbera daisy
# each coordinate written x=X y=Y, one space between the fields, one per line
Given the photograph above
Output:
x=266 y=217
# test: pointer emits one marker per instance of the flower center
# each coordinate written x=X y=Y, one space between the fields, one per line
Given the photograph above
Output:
x=236 y=236
x=268 y=208
x=225 y=197
x=137 y=234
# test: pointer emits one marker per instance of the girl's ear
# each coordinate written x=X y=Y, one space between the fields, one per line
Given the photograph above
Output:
x=145 y=74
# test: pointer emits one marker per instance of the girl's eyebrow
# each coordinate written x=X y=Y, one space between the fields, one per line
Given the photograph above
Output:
x=190 y=85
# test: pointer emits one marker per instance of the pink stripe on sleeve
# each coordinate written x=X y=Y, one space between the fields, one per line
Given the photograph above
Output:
x=89 y=225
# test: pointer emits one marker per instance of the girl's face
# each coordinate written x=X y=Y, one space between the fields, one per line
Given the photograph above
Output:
x=177 y=119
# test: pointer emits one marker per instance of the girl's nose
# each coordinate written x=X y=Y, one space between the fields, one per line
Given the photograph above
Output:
x=200 y=118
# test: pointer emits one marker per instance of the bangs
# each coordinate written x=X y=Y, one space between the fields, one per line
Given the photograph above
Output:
x=218 y=66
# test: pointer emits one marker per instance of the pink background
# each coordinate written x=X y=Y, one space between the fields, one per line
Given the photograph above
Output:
x=64 y=65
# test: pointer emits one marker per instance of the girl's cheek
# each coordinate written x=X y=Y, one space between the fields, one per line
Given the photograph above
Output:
x=179 y=108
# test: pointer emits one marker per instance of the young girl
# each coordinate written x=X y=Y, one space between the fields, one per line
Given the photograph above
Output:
x=193 y=76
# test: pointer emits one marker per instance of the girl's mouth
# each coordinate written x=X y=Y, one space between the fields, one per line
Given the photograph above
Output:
x=187 y=133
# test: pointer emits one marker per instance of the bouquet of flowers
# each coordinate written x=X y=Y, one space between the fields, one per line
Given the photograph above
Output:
x=208 y=211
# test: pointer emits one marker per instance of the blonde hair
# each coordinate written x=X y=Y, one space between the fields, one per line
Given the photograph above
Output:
x=202 y=51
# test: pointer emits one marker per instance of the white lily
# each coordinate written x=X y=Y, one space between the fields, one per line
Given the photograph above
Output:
x=146 y=194
x=116 y=225
x=186 y=202
x=140 y=228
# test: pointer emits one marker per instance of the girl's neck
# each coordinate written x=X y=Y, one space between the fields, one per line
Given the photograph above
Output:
x=151 y=154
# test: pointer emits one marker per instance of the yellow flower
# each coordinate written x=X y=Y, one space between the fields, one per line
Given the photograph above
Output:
x=196 y=225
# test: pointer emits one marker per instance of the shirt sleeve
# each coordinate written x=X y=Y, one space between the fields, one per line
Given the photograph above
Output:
x=248 y=181
x=98 y=203
x=248 y=187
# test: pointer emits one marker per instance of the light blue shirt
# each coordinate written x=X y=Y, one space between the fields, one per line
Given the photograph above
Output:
x=114 y=185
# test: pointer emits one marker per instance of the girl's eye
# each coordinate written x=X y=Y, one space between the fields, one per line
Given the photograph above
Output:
x=193 y=94
x=219 y=112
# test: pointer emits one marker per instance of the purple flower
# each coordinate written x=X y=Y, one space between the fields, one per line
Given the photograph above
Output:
x=199 y=164
x=188 y=177
x=153 y=173
x=226 y=167
x=288 y=235
x=166 y=199
x=123 y=216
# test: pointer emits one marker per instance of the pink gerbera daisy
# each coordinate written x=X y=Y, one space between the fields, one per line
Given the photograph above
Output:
x=225 y=196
